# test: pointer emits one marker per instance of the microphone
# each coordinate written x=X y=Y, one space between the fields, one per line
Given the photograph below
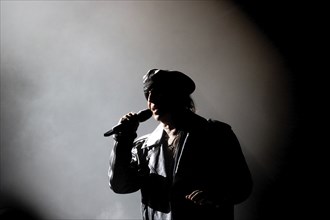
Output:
x=142 y=115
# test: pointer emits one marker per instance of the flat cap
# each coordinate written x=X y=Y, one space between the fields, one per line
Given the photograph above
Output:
x=173 y=82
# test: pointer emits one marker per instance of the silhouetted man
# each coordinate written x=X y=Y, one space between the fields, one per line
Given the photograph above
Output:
x=188 y=167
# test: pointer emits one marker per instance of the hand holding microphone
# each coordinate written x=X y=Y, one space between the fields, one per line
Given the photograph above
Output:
x=130 y=122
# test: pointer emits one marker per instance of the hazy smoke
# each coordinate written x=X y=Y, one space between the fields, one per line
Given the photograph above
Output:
x=70 y=69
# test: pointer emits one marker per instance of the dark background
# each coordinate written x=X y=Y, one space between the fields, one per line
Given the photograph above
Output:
x=297 y=30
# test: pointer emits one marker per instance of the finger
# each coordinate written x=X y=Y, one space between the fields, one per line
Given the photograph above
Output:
x=128 y=116
x=192 y=195
x=131 y=115
x=199 y=198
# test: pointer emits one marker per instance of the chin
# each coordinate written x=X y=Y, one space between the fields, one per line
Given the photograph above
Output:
x=157 y=117
x=164 y=118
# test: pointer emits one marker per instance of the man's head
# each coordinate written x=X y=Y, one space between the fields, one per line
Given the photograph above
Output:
x=168 y=81
x=168 y=91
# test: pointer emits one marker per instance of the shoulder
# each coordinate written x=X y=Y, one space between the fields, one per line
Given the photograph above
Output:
x=203 y=124
x=221 y=128
x=218 y=124
x=138 y=143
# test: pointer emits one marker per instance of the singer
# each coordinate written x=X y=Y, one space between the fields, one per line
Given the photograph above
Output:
x=189 y=167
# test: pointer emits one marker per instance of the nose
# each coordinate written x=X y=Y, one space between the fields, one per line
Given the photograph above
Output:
x=149 y=97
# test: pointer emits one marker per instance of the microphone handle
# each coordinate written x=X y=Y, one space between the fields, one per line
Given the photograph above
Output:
x=143 y=115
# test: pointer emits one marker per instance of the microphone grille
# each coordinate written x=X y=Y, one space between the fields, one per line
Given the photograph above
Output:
x=144 y=115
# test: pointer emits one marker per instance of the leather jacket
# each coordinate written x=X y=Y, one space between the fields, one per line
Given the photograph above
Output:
x=209 y=159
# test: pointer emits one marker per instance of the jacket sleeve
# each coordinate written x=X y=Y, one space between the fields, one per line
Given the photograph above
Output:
x=240 y=180
x=123 y=168
x=235 y=178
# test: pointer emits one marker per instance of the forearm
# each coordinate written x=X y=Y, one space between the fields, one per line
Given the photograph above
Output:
x=123 y=176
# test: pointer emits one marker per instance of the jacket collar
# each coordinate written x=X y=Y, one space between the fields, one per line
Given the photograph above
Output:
x=155 y=137
x=195 y=124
